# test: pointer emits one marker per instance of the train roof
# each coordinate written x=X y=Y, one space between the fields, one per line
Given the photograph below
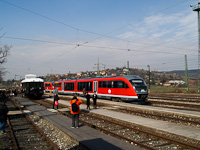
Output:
x=128 y=77
x=31 y=78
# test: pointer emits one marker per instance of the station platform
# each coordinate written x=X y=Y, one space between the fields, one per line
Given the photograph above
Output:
x=86 y=136
x=184 y=113
x=172 y=128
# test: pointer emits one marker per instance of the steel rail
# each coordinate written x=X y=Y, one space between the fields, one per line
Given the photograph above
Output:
x=13 y=137
x=174 y=141
x=179 y=99
x=174 y=103
x=102 y=129
x=55 y=147
x=148 y=133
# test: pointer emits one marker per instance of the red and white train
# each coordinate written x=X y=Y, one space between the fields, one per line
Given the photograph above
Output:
x=127 y=88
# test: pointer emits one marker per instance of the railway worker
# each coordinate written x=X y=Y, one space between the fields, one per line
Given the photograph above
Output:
x=55 y=101
x=88 y=100
x=75 y=111
x=3 y=117
x=94 y=97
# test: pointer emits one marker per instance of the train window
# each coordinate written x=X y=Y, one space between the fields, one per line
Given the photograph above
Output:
x=105 y=84
x=100 y=84
x=36 y=84
x=137 y=82
x=47 y=84
x=57 y=85
x=119 y=84
x=86 y=85
x=69 y=86
x=112 y=84
x=109 y=84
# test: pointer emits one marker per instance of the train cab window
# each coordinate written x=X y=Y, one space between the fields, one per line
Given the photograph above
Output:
x=137 y=82
x=57 y=85
x=48 y=85
x=36 y=84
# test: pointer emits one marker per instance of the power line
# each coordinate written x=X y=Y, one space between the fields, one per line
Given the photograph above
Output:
x=93 y=46
x=146 y=17
x=35 y=40
x=105 y=35
x=83 y=44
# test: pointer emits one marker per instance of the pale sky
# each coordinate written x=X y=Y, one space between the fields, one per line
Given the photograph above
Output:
x=58 y=36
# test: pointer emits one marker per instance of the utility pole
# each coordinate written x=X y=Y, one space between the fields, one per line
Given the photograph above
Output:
x=98 y=72
x=149 y=78
x=69 y=76
x=128 y=68
x=186 y=75
x=197 y=8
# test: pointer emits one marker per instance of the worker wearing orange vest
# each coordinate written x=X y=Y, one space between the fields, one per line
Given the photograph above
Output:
x=75 y=113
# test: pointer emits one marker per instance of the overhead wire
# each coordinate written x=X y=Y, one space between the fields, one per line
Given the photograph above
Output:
x=106 y=34
x=93 y=46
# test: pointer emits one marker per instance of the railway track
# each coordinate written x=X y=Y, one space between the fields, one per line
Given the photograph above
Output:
x=176 y=97
x=23 y=134
x=130 y=132
x=177 y=101
x=57 y=138
x=170 y=117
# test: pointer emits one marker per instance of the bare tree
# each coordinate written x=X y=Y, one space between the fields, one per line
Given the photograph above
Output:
x=4 y=52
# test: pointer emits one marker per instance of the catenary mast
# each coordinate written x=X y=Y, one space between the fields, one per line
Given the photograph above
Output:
x=197 y=8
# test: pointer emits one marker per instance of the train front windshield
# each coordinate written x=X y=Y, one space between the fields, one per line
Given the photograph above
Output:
x=37 y=85
x=139 y=85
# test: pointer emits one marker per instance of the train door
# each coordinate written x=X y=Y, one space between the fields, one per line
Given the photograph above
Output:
x=75 y=87
x=95 y=86
x=63 y=87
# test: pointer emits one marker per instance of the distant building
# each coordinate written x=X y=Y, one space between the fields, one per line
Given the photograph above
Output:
x=113 y=74
x=125 y=70
x=79 y=74
x=166 y=84
x=173 y=83
x=103 y=72
x=176 y=82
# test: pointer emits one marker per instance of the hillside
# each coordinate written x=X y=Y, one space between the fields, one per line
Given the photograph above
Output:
x=192 y=73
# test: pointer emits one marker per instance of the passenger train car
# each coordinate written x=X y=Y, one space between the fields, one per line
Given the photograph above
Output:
x=49 y=86
x=127 y=88
x=32 y=86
